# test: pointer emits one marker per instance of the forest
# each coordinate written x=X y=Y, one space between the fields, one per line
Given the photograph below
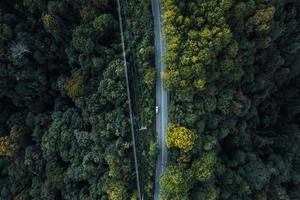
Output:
x=64 y=121
x=233 y=80
x=233 y=77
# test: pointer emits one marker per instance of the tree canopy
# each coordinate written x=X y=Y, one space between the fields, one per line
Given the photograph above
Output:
x=233 y=79
x=64 y=118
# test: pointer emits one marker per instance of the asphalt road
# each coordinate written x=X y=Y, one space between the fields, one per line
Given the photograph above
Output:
x=161 y=97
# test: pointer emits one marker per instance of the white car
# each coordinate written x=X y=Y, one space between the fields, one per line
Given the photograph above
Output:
x=156 y=109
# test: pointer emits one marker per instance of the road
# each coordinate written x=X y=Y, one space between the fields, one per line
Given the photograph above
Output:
x=161 y=97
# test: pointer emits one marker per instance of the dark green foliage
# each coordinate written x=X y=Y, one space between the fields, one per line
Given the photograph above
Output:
x=233 y=75
x=64 y=123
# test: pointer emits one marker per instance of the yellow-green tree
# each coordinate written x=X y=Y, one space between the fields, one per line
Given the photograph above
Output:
x=50 y=23
x=200 y=84
x=74 y=86
x=116 y=190
x=175 y=183
x=7 y=146
x=203 y=167
x=149 y=78
x=180 y=137
x=260 y=22
x=114 y=166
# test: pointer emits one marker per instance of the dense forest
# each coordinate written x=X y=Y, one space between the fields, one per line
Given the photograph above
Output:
x=233 y=76
x=64 y=120
x=233 y=79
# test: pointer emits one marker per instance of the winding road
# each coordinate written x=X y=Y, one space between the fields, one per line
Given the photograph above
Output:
x=161 y=97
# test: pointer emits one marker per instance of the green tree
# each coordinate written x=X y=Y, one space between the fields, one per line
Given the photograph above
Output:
x=104 y=23
x=149 y=78
x=180 y=137
x=175 y=183
x=116 y=190
x=50 y=23
x=204 y=167
x=74 y=86
x=7 y=147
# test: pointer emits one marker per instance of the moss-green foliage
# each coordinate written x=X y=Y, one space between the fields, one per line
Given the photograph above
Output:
x=82 y=38
x=233 y=78
x=74 y=86
x=103 y=23
x=7 y=146
x=149 y=78
x=259 y=22
x=116 y=191
x=50 y=23
x=175 y=183
x=199 y=84
x=204 y=167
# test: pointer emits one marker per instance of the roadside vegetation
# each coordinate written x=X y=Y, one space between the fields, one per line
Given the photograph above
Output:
x=139 y=39
x=233 y=80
